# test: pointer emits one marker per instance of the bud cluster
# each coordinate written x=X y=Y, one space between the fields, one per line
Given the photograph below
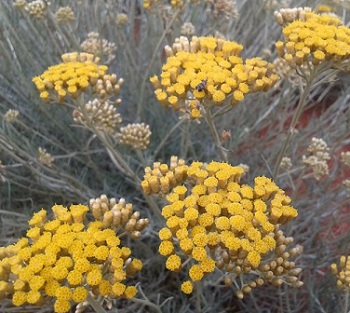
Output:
x=163 y=177
x=107 y=86
x=318 y=157
x=45 y=157
x=278 y=269
x=37 y=8
x=11 y=116
x=64 y=15
x=121 y=19
x=342 y=273
x=288 y=15
x=222 y=9
x=136 y=135
x=98 y=46
x=99 y=113
x=286 y=163
x=118 y=215
x=187 y=29
x=345 y=158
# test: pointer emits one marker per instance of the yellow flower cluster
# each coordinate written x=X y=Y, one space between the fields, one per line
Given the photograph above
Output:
x=218 y=222
x=342 y=272
x=149 y=4
x=210 y=70
x=315 y=40
x=66 y=259
x=162 y=178
x=78 y=72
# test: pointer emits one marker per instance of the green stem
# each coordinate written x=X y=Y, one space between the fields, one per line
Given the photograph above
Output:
x=302 y=101
x=148 y=303
x=184 y=140
x=210 y=121
x=198 y=297
x=141 y=157
x=166 y=137
x=346 y=304
x=95 y=304
x=118 y=159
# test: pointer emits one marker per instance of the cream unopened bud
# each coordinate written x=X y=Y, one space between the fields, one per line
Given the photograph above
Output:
x=117 y=216
x=130 y=225
x=135 y=234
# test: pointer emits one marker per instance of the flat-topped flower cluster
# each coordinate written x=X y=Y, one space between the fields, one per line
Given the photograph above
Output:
x=67 y=259
x=217 y=222
x=209 y=70
x=315 y=39
x=77 y=73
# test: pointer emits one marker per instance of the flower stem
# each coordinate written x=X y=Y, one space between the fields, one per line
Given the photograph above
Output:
x=210 y=121
x=166 y=137
x=95 y=304
x=198 y=297
x=302 y=101
x=346 y=304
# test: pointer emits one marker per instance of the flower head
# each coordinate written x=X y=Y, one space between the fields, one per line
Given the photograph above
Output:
x=136 y=135
x=68 y=257
x=315 y=39
x=211 y=70
x=77 y=73
x=64 y=15
x=98 y=46
x=229 y=225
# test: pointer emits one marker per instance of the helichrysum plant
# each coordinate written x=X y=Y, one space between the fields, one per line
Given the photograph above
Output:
x=213 y=230
x=342 y=273
x=317 y=40
x=206 y=73
x=67 y=260
x=78 y=73
x=215 y=222
x=79 y=82
x=209 y=72
x=317 y=47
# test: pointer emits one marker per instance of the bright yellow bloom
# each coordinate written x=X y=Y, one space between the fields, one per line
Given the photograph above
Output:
x=79 y=294
x=211 y=70
x=173 y=262
x=187 y=287
x=63 y=293
x=118 y=288
x=316 y=39
x=226 y=221
x=33 y=297
x=62 y=306
x=19 y=298
x=166 y=248
x=165 y=234
x=51 y=263
x=130 y=292
x=196 y=273
x=74 y=75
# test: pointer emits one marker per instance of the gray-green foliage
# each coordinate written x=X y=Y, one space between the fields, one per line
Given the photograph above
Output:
x=83 y=169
